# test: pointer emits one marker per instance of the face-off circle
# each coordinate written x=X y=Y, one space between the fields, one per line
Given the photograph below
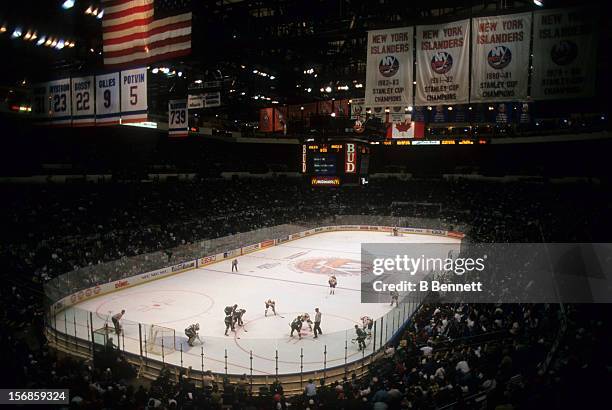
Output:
x=178 y=304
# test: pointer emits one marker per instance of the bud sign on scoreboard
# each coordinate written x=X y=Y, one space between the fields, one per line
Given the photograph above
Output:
x=350 y=166
x=177 y=118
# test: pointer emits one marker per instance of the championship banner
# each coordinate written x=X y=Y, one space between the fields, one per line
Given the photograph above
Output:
x=134 y=95
x=108 y=110
x=500 y=57
x=389 y=68
x=564 y=51
x=325 y=107
x=266 y=120
x=177 y=119
x=443 y=66
x=83 y=102
x=280 y=119
x=40 y=101
x=358 y=108
x=341 y=108
x=60 y=112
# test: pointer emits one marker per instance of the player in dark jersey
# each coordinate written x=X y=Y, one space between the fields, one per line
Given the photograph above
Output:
x=361 y=336
x=270 y=304
x=332 y=284
x=296 y=325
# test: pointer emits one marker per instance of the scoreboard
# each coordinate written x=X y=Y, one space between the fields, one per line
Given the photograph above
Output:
x=335 y=163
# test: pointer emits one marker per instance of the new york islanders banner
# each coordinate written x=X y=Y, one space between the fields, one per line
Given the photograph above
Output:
x=564 y=50
x=60 y=107
x=83 y=102
x=389 y=68
x=500 y=57
x=443 y=66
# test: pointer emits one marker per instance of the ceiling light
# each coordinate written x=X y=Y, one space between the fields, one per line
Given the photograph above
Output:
x=328 y=89
x=3 y=29
x=100 y=14
x=538 y=3
x=333 y=114
x=272 y=77
x=16 y=33
x=60 y=44
x=41 y=41
x=68 y=4
x=89 y=10
x=255 y=71
x=27 y=36
x=156 y=70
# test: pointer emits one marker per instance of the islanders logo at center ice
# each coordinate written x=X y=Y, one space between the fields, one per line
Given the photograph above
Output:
x=329 y=266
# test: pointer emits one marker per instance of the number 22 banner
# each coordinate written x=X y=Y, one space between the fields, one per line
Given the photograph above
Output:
x=134 y=95
x=108 y=111
x=83 y=101
x=177 y=118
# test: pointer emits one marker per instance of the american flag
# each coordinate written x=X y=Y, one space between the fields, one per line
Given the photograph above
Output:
x=138 y=32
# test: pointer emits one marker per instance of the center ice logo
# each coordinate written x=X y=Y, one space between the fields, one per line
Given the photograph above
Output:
x=330 y=266
x=499 y=57
x=388 y=66
x=441 y=62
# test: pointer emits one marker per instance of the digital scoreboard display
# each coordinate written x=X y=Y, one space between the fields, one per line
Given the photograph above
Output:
x=324 y=164
x=335 y=164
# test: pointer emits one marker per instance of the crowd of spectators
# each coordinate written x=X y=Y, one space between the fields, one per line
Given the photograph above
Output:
x=449 y=353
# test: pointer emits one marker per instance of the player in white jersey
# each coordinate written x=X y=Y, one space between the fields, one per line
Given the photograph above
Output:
x=367 y=323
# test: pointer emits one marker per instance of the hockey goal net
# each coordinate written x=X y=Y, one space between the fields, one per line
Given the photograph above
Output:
x=160 y=340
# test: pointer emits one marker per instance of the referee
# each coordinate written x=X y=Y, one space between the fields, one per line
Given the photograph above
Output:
x=317 y=323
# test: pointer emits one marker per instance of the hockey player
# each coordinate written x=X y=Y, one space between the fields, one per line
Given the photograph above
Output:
x=317 y=323
x=270 y=304
x=394 y=298
x=361 y=336
x=116 y=318
x=306 y=318
x=238 y=317
x=367 y=322
x=192 y=333
x=229 y=323
x=332 y=284
x=296 y=325
x=229 y=317
x=235 y=265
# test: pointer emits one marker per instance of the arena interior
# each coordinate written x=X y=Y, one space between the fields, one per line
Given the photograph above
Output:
x=195 y=196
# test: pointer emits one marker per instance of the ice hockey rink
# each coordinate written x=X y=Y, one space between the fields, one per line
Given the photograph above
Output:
x=294 y=274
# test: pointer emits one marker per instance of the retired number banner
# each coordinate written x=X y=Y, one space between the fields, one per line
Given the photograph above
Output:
x=500 y=57
x=60 y=112
x=389 y=68
x=108 y=111
x=177 y=118
x=443 y=66
x=564 y=48
x=83 y=104
x=134 y=95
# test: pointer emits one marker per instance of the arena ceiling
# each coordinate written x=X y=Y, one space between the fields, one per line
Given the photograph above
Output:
x=300 y=45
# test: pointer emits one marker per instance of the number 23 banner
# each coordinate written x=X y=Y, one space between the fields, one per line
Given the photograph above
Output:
x=134 y=95
x=177 y=118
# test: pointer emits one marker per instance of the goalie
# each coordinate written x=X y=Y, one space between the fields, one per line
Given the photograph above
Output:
x=192 y=333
